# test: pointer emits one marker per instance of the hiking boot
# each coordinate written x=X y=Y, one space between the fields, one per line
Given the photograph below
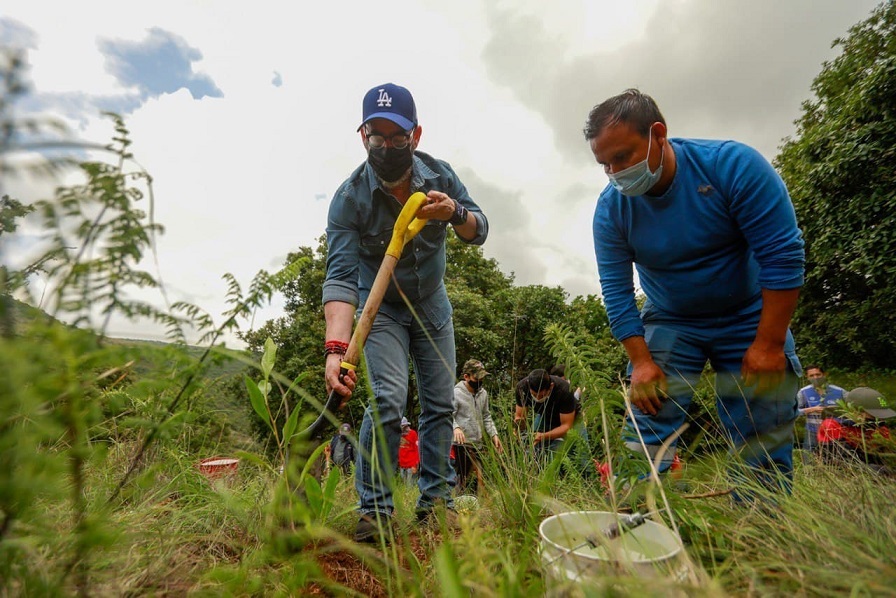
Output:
x=374 y=528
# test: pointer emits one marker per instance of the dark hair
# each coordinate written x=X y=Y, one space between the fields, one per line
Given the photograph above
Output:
x=631 y=106
x=539 y=380
x=558 y=370
x=813 y=367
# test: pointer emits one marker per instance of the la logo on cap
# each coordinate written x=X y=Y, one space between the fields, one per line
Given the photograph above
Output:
x=384 y=99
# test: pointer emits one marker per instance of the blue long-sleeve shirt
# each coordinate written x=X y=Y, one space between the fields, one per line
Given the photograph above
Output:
x=724 y=230
x=359 y=228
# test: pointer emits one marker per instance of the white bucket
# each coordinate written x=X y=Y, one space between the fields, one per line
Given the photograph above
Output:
x=649 y=550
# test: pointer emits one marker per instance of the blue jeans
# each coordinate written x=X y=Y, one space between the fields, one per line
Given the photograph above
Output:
x=759 y=427
x=547 y=450
x=392 y=339
x=811 y=440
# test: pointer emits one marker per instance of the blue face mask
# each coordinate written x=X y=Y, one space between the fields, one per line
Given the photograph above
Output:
x=638 y=180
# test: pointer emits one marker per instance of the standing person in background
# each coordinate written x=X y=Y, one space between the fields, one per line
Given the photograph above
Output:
x=413 y=324
x=712 y=232
x=812 y=400
x=408 y=452
x=555 y=410
x=472 y=423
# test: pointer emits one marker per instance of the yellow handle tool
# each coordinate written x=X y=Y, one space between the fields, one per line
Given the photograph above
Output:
x=407 y=225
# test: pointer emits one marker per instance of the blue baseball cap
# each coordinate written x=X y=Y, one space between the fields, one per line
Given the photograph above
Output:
x=392 y=102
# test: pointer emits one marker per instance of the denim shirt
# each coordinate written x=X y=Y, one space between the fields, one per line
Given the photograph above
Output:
x=359 y=228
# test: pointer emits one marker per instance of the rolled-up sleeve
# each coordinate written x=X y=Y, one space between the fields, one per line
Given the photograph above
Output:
x=458 y=191
x=341 y=283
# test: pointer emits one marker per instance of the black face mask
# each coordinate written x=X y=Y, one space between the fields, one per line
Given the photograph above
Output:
x=475 y=384
x=390 y=164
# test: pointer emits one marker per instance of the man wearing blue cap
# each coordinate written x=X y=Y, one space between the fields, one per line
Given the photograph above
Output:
x=414 y=320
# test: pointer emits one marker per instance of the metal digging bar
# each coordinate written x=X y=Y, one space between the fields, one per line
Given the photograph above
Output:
x=406 y=227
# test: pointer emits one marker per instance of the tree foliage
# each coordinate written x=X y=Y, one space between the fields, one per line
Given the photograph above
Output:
x=839 y=169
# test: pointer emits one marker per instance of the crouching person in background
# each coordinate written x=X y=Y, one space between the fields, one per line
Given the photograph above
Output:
x=554 y=407
x=862 y=436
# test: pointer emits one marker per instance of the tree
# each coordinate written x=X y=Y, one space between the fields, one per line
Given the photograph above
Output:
x=532 y=309
x=839 y=170
x=476 y=287
x=588 y=315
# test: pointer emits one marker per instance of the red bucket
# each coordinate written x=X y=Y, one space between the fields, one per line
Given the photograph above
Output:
x=218 y=467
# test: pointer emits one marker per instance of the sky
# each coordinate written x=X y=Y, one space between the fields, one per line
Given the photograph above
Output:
x=246 y=117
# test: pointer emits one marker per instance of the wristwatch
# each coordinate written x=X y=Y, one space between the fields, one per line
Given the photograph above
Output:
x=460 y=214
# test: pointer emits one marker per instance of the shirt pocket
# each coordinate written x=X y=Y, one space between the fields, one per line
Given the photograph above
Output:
x=433 y=234
x=374 y=244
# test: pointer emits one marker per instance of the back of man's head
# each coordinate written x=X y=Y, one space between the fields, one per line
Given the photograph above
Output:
x=539 y=380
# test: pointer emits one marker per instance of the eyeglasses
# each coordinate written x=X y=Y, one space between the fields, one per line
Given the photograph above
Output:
x=398 y=141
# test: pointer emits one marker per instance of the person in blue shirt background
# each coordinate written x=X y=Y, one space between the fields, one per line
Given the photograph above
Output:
x=812 y=400
x=359 y=226
x=712 y=232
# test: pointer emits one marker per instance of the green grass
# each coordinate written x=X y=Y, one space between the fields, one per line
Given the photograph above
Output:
x=176 y=532
x=74 y=521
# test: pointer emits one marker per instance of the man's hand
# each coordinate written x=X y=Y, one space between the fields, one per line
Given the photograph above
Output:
x=764 y=366
x=648 y=382
x=459 y=437
x=816 y=409
x=439 y=206
x=764 y=363
x=344 y=386
x=648 y=386
x=339 y=316
x=497 y=442
x=538 y=437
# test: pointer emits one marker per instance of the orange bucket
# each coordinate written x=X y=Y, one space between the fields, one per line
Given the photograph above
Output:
x=218 y=467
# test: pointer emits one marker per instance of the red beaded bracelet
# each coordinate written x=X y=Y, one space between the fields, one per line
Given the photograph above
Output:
x=337 y=347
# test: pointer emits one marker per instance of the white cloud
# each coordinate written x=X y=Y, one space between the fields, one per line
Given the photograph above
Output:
x=502 y=90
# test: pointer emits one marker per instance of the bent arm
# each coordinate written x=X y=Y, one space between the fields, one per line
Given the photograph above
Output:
x=566 y=421
x=519 y=419
x=764 y=362
x=777 y=310
x=648 y=383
